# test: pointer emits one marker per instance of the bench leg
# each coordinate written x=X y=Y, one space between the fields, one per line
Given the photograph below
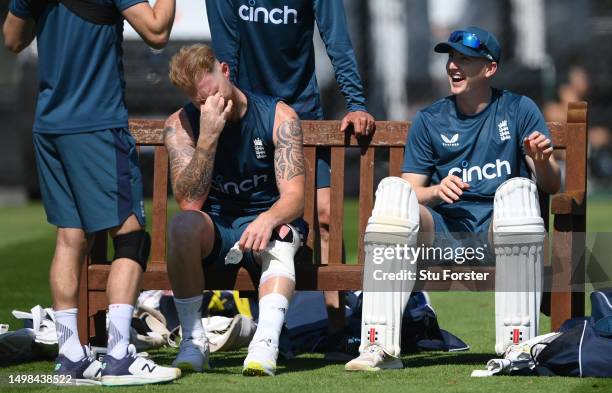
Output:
x=568 y=270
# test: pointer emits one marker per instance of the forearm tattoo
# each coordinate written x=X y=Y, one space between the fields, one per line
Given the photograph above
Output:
x=191 y=168
x=289 y=154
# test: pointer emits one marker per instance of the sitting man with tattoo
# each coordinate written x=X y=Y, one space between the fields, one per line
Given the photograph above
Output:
x=237 y=169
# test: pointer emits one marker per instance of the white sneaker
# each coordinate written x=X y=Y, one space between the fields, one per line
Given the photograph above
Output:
x=135 y=370
x=193 y=355
x=374 y=358
x=261 y=360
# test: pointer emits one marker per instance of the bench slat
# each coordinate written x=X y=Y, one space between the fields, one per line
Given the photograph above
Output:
x=396 y=157
x=308 y=278
x=366 y=195
x=160 y=205
x=326 y=133
x=310 y=194
x=336 y=205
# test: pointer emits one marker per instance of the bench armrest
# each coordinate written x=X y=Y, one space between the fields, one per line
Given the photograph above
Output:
x=568 y=202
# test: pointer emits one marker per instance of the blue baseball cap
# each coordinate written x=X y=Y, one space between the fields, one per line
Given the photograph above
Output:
x=473 y=42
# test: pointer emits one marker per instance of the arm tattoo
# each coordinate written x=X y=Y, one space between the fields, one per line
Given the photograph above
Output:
x=191 y=167
x=194 y=182
x=289 y=155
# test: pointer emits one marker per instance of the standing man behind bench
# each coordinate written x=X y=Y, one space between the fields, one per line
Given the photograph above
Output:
x=88 y=167
x=468 y=165
x=269 y=48
x=237 y=171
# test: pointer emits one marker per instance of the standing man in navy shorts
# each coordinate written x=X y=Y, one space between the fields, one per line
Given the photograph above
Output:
x=268 y=45
x=88 y=167
x=473 y=163
x=237 y=170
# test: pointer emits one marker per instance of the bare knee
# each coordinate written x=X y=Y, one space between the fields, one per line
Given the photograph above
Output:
x=72 y=238
x=189 y=229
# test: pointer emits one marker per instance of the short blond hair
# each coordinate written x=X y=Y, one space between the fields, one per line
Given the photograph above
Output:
x=188 y=65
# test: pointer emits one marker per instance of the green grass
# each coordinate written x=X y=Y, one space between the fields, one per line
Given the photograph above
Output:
x=26 y=246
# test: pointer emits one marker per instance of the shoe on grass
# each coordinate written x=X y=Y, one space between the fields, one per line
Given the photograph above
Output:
x=261 y=360
x=86 y=371
x=193 y=355
x=135 y=370
x=374 y=358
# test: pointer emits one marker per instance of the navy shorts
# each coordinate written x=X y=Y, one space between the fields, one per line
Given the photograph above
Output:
x=444 y=224
x=323 y=167
x=89 y=180
x=458 y=232
x=228 y=231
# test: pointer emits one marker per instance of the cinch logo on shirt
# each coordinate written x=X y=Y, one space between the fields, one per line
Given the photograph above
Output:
x=235 y=188
x=275 y=16
x=488 y=171
x=450 y=142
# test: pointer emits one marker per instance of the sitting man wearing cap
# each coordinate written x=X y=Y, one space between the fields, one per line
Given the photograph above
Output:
x=468 y=165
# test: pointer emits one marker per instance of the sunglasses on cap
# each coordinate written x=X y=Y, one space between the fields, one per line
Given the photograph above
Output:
x=470 y=40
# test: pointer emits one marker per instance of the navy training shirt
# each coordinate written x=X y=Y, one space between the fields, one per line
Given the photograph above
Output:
x=484 y=149
x=80 y=70
x=268 y=46
x=243 y=182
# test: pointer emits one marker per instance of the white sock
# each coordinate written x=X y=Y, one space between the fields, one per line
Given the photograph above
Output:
x=190 y=314
x=68 y=335
x=120 y=319
x=272 y=310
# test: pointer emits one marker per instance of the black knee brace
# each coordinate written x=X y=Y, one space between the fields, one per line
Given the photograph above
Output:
x=134 y=246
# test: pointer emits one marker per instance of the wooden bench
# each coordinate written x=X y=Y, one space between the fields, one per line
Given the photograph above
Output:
x=567 y=207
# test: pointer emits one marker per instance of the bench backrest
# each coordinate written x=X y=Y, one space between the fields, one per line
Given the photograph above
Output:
x=390 y=135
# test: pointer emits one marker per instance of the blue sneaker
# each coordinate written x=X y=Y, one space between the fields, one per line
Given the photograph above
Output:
x=86 y=371
x=135 y=370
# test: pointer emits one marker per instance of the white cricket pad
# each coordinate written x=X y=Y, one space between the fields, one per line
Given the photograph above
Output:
x=277 y=258
x=519 y=236
x=394 y=220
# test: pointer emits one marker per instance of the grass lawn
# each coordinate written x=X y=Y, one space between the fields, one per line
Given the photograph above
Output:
x=26 y=246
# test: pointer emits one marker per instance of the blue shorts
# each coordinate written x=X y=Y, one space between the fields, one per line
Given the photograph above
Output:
x=463 y=232
x=323 y=167
x=89 y=180
x=228 y=231
x=445 y=224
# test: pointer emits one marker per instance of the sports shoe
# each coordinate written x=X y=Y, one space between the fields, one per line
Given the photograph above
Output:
x=374 y=358
x=86 y=371
x=261 y=359
x=193 y=355
x=135 y=370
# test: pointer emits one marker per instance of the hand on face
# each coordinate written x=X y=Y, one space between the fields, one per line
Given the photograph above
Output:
x=538 y=147
x=451 y=188
x=214 y=113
